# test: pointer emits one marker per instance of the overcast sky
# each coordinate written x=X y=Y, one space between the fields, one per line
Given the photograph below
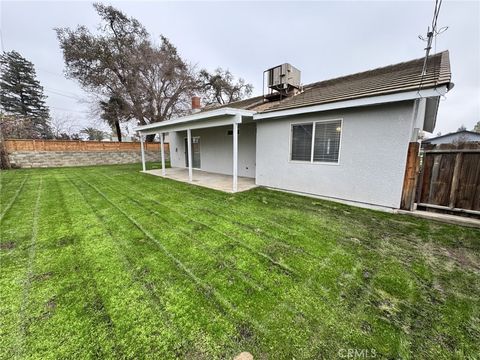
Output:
x=323 y=39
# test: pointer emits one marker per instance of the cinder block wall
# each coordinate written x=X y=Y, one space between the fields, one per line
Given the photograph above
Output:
x=34 y=159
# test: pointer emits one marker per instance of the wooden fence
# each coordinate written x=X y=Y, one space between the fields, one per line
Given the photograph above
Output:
x=449 y=179
x=14 y=145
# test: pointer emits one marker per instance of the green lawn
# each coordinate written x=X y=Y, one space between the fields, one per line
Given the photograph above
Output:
x=108 y=262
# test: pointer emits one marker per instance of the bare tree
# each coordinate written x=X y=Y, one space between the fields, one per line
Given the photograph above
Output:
x=152 y=82
x=134 y=78
x=63 y=126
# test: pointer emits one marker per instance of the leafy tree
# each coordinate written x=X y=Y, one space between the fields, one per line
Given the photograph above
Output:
x=113 y=112
x=93 y=134
x=120 y=62
x=21 y=95
x=220 y=87
x=476 y=128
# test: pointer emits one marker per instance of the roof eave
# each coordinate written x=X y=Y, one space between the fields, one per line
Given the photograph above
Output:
x=365 y=101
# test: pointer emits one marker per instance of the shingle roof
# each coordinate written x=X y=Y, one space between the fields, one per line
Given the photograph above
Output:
x=462 y=132
x=405 y=76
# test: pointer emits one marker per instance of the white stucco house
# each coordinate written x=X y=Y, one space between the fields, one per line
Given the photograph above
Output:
x=344 y=139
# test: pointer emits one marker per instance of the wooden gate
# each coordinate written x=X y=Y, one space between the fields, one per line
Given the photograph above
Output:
x=449 y=178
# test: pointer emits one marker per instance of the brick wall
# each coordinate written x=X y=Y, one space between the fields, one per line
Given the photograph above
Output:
x=29 y=159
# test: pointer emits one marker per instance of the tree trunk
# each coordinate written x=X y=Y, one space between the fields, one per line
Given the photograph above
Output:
x=4 y=160
x=118 y=130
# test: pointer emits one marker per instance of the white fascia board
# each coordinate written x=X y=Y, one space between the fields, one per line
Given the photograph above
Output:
x=194 y=117
x=193 y=125
x=372 y=100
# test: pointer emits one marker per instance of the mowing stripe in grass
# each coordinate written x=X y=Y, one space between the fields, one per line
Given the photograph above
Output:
x=63 y=297
x=289 y=307
x=14 y=198
x=208 y=289
x=136 y=267
x=241 y=243
x=208 y=293
x=216 y=214
x=323 y=264
x=192 y=192
x=166 y=194
x=137 y=322
x=7 y=178
x=15 y=237
x=319 y=260
x=27 y=282
x=306 y=228
x=318 y=265
x=188 y=235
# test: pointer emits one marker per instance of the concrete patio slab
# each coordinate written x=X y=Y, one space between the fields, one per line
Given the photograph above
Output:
x=206 y=179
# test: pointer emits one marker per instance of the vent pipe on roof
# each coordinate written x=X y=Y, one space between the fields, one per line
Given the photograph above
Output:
x=196 y=106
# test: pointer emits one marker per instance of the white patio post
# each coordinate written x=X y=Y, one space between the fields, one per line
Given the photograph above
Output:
x=189 y=149
x=143 y=152
x=162 y=151
x=235 y=155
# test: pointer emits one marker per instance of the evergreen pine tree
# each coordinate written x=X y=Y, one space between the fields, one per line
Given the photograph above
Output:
x=21 y=94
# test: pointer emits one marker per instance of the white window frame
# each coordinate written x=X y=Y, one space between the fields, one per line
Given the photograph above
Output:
x=313 y=122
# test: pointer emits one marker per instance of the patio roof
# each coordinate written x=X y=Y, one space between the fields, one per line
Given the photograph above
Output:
x=217 y=117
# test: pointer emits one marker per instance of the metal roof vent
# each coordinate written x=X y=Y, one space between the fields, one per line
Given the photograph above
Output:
x=282 y=80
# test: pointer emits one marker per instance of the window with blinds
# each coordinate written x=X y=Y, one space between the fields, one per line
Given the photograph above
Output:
x=324 y=136
x=327 y=141
x=302 y=142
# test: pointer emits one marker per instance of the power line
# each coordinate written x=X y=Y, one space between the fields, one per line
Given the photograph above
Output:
x=50 y=72
x=69 y=110
x=432 y=33
x=60 y=94
x=63 y=91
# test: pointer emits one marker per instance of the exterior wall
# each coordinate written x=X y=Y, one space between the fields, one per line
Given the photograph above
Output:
x=28 y=159
x=372 y=161
x=216 y=149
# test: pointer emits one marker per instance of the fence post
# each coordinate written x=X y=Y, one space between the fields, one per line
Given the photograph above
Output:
x=455 y=179
x=410 y=178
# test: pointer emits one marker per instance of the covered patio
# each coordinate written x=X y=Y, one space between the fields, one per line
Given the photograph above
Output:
x=225 y=177
x=206 y=179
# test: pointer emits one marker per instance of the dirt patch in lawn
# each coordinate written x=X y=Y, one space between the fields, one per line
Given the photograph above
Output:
x=9 y=245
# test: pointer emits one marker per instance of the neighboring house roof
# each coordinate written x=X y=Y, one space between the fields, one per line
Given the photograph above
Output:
x=405 y=76
x=469 y=135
